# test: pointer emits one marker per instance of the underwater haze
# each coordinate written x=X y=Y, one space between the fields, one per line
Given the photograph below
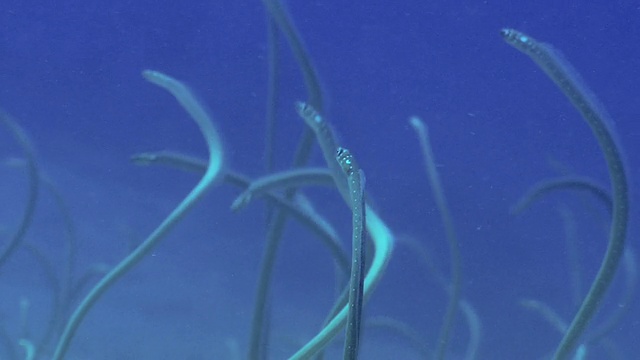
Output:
x=526 y=103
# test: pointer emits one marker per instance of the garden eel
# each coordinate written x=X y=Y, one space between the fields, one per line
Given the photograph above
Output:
x=380 y=234
x=214 y=168
x=294 y=178
x=568 y=80
x=328 y=145
x=33 y=184
x=454 y=289
x=356 y=182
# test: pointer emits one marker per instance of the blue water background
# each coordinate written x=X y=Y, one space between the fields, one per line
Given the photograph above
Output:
x=70 y=73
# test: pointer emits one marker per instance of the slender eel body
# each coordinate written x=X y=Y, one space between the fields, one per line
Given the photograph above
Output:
x=596 y=117
x=355 y=180
x=214 y=168
x=328 y=145
x=381 y=235
x=452 y=238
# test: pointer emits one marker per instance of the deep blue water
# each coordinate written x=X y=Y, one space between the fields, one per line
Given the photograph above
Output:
x=70 y=73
